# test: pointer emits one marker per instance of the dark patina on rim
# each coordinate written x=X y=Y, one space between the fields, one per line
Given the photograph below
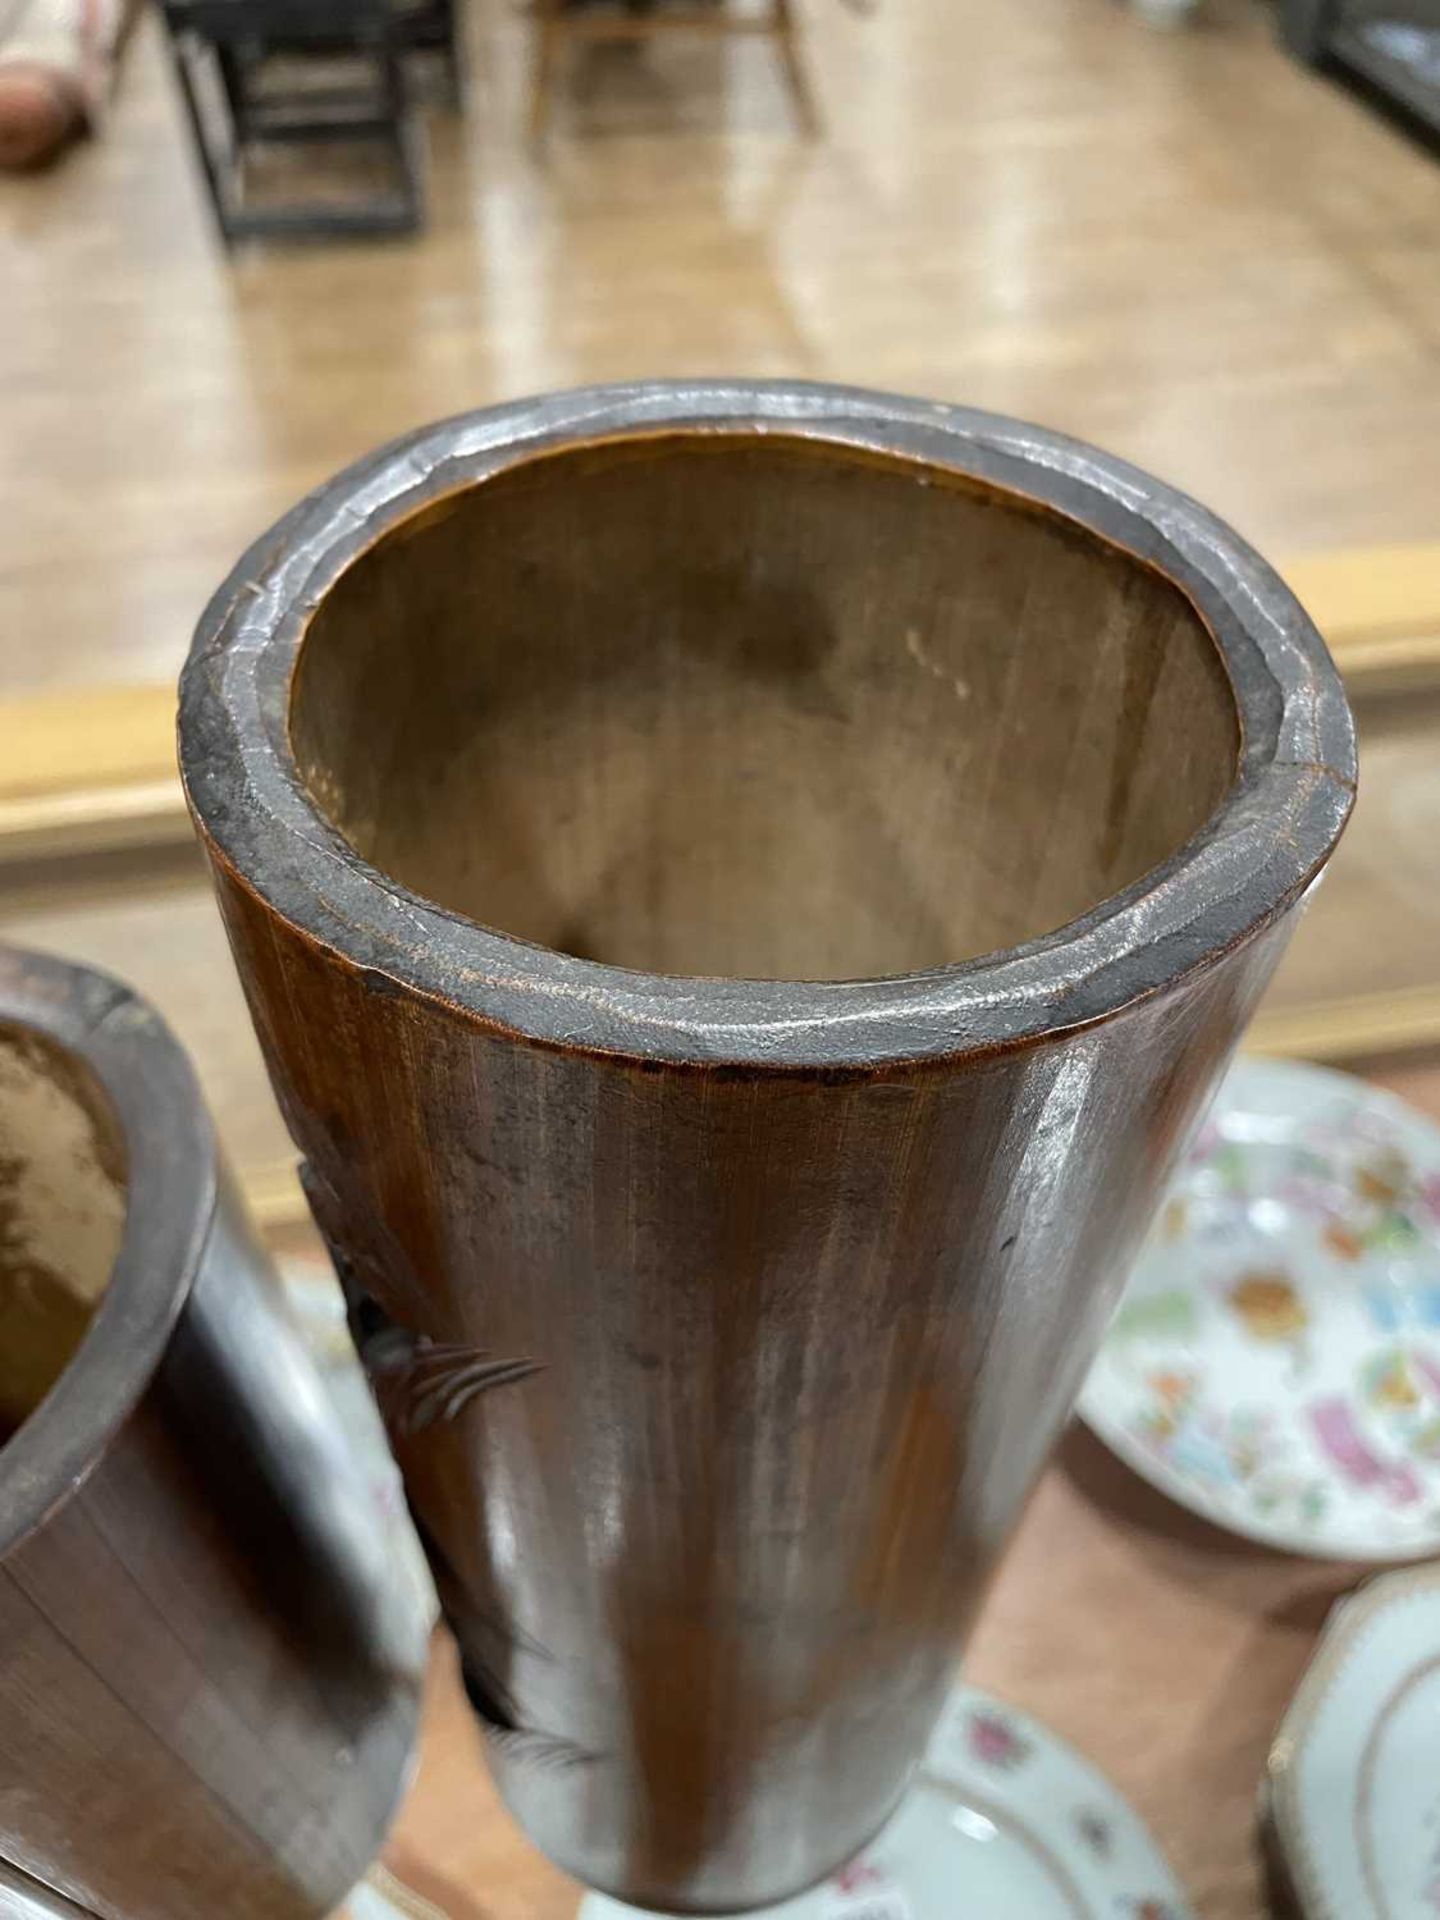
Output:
x=170 y=1198
x=1263 y=845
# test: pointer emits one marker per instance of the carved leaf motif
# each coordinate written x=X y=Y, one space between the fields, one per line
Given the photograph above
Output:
x=416 y=1380
x=440 y=1380
x=543 y=1750
x=528 y=1746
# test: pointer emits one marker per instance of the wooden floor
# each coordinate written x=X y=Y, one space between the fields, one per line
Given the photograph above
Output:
x=1179 y=245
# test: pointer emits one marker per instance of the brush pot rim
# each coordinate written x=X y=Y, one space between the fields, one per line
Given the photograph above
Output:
x=152 y=1096
x=1240 y=869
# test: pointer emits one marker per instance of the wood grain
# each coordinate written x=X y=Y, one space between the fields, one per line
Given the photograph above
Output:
x=722 y=1299
x=1166 y=1650
x=976 y=225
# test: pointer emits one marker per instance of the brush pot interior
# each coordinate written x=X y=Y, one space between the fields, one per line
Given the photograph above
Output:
x=62 y=1212
x=748 y=705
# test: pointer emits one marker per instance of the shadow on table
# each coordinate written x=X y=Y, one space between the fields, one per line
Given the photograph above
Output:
x=1237 y=1565
x=1238 y=1623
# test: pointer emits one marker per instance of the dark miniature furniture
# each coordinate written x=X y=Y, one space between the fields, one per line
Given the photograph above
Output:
x=263 y=77
x=1393 y=46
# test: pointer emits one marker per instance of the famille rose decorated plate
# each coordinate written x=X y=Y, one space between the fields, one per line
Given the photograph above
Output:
x=1352 y=1806
x=1275 y=1362
x=1003 y=1822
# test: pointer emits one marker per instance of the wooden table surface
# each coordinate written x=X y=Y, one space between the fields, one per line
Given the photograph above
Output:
x=1163 y=1648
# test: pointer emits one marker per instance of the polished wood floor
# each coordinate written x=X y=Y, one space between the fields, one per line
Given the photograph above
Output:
x=1182 y=246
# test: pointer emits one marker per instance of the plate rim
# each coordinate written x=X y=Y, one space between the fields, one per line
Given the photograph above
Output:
x=965 y=1692
x=1172 y=1484
x=1350 y=1622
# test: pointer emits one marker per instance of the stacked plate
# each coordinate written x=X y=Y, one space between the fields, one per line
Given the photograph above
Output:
x=1352 y=1804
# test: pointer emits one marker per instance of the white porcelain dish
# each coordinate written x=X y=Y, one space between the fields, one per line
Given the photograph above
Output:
x=1275 y=1363
x=1353 y=1788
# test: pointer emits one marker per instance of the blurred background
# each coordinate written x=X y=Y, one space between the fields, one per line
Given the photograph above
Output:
x=243 y=241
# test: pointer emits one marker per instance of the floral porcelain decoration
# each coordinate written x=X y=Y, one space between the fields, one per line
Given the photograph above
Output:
x=1275 y=1363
